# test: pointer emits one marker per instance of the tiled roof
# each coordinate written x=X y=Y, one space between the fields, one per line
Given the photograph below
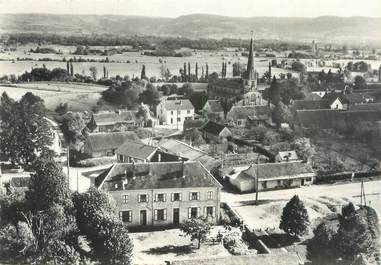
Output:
x=155 y=175
x=331 y=97
x=234 y=83
x=277 y=170
x=114 y=117
x=279 y=258
x=182 y=104
x=136 y=149
x=253 y=111
x=310 y=104
x=327 y=118
x=213 y=127
x=106 y=141
x=354 y=98
x=182 y=149
x=215 y=106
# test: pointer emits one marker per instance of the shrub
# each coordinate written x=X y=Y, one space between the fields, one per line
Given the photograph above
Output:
x=235 y=245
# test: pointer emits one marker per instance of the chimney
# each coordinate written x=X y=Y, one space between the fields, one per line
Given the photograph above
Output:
x=159 y=157
x=124 y=180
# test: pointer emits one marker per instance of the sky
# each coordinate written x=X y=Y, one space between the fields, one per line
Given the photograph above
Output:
x=175 y=8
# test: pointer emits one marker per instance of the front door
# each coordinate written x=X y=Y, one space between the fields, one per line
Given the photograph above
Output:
x=176 y=216
x=143 y=217
x=303 y=182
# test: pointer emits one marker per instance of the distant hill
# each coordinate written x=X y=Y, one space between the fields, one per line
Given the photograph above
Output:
x=323 y=29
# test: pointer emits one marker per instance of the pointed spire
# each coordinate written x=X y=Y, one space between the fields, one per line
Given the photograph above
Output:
x=250 y=73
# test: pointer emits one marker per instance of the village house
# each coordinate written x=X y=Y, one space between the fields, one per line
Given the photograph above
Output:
x=286 y=156
x=161 y=194
x=213 y=110
x=273 y=176
x=131 y=151
x=174 y=112
x=337 y=101
x=243 y=116
x=113 y=121
x=213 y=131
x=105 y=144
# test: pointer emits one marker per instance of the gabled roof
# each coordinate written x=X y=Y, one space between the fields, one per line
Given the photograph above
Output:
x=182 y=104
x=136 y=150
x=252 y=111
x=331 y=97
x=182 y=149
x=310 y=104
x=156 y=175
x=277 y=171
x=107 y=141
x=215 y=105
x=114 y=117
x=213 y=127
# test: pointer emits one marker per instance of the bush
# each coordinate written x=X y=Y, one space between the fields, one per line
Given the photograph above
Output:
x=235 y=245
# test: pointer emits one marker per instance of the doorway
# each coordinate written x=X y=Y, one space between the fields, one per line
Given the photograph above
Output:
x=176 y=216
x=143 y=217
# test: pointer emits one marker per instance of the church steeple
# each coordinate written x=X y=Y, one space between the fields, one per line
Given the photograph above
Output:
x=250 y=73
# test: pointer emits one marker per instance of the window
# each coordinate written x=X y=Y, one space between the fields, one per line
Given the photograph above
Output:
x=125 y=216
x=178 y=119
x=125 y=198
x=188 y=111
x=176 y=197
x=159 y=197
x=160 y=214
x=194 y=196
x=143 y=198
x=279 y=182
x=171 y=112
x=210 y=211
x=121 y=158
x=210 y=195
x=264 y=184
x=239 y=123
x=179 y=112
x=193 y=212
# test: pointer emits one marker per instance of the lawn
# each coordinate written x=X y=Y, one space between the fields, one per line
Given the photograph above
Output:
x=160 y=246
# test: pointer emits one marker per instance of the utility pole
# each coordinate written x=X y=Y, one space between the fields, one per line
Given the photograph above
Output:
x=362 y=195
x=257 y=181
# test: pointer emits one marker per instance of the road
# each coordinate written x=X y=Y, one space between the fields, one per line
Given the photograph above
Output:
x=267 y=213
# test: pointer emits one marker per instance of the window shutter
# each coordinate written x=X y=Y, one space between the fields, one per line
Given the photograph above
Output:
x=155 y=215
x=165 y=214
x=205 y=211
x=120 y=215
x=165 y=196
x=198 y=211
x=190 y=196
x=156 y=197
x=214 y=211
x=198 y=195
x=180 y=196
x=189 y=213
x=138 y=197
x=172 y=197
x=147 y=196
x=130 y=216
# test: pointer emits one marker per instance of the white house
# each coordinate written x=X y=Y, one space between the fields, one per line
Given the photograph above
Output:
x=175 y=112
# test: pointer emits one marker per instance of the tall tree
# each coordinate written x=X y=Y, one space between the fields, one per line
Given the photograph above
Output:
x=143 y=73
x=274 y=92
x=196 y=71
x=203 y=73
x=48 y=185
x=189 y=71
x=196 y=228
x=25 y=134
x=71 y=69
x=68 y=67
x=150 y=95
x=294 y=220
x=94 y=72
x=206 y=71
x=104 y=71
x=185 y=73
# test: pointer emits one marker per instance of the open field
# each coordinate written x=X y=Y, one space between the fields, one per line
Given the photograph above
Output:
x=80 y=97
x=160 y=246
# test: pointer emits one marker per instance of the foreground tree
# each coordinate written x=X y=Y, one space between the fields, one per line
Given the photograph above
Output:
x=294 y=220
x=196 y=228
x=24 y=132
